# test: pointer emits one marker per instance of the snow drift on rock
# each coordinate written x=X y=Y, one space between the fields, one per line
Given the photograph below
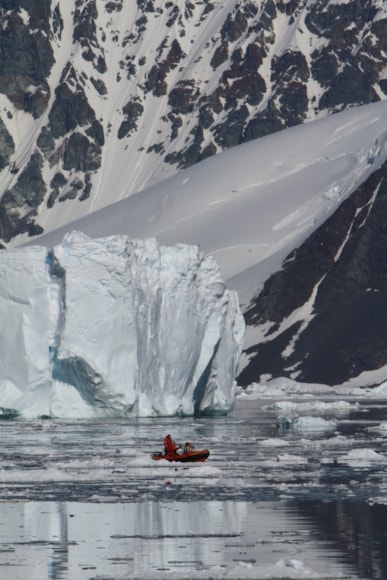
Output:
x=116 y=326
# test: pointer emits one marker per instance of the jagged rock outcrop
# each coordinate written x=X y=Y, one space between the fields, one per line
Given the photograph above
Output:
x=340 y=273
x=165 y=83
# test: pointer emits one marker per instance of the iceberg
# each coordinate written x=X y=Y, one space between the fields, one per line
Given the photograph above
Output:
x=116 y=327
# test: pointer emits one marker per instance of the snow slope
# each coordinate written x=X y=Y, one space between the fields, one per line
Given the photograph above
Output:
x=251 y=206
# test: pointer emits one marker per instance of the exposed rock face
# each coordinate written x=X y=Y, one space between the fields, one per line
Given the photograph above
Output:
x=26 y=54
x=341 y=274
x=171 y=82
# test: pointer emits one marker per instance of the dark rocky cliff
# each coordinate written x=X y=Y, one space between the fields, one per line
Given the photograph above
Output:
x=341 y=272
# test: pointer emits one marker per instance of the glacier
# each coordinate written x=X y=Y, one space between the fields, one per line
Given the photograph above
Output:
x=116 y=327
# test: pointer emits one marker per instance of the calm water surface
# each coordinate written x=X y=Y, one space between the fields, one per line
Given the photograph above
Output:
x=83 y=500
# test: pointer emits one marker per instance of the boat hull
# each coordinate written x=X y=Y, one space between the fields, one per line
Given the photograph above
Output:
x=192 y=457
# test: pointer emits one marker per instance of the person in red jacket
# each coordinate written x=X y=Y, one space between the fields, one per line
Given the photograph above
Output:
x=170 y=447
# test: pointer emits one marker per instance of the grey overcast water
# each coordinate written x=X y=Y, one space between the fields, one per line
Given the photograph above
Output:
x=279 y=497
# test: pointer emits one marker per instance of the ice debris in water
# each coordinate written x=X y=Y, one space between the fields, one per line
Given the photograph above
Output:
x=306 y=424
x=362 y=458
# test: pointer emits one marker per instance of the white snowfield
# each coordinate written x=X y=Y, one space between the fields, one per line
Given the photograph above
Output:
x=252 y=205
x=116 y=326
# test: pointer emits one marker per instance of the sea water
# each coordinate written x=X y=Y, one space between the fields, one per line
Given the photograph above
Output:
x=290 y=490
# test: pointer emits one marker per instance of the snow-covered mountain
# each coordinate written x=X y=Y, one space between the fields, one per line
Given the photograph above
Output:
x=95 y=92
x=112 y=101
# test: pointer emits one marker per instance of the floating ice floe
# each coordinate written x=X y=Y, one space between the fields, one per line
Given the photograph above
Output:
x=320 y=407
x=283 y=568
x=381 y=428
x=274 y=442
x=362 y=458
x=293 y=459
x=306 y=424
x=379 y=392
x=282 y=387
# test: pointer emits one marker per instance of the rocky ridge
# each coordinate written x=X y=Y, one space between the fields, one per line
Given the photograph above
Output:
x=322 y=317
x=169 y=83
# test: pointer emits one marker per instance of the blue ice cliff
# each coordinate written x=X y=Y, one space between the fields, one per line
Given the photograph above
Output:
x=116 y=327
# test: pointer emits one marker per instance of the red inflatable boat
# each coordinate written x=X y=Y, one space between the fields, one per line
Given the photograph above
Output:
x=192 y=456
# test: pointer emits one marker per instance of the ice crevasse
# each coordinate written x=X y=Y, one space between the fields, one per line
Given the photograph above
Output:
x=116 y=327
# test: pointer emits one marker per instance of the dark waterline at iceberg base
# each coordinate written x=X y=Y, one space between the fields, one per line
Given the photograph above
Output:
x=83 y=500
